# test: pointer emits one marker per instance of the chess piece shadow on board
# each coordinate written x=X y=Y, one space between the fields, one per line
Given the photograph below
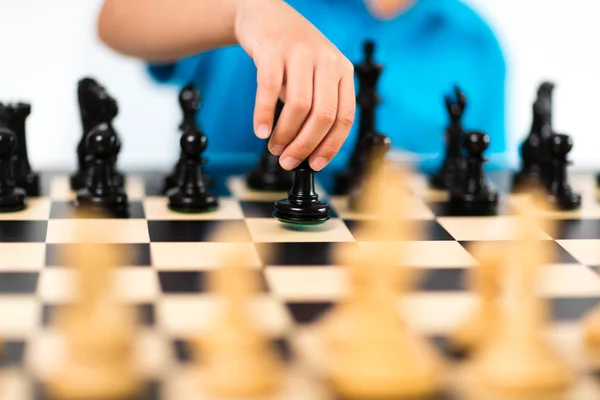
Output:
x=302 y=206
x=96 y=106
x=453 y=164
x=191 y=194
x=367 y=73
x=190 y=102
x=535 y=153
x=14 y=117
x=268 y=174
x=12 y=198
x=101 y=194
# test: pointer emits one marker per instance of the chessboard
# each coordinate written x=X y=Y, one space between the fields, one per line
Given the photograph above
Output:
x=165 y=279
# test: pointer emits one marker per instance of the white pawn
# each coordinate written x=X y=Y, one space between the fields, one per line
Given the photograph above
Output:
x=372 y=352
x=99 y=333
x=486 y=281
x=518 y=361
x=237 y=359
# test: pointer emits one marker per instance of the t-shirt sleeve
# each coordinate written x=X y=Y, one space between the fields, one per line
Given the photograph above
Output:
x=180 y=72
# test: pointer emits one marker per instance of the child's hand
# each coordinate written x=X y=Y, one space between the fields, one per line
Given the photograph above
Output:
x=314 y=79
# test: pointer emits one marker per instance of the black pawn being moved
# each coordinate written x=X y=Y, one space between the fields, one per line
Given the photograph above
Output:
x=102 y=193
x=11 y=197
x=302 y=206
x=559 y=189
x=473 y=195
x=190 y=195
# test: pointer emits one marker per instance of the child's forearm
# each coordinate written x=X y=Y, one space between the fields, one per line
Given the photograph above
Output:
x=165 y=30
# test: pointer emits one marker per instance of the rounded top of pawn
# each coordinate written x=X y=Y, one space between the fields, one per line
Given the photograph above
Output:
x=193 y=144
x=560 y=143
x=476 y=142
x=101 y=141
x=189 y=97
x=8 y=142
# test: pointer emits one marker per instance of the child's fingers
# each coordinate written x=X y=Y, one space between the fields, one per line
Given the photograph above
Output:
x=334 y=140
x=269 y=82
x=298 y=101
x=321 y=117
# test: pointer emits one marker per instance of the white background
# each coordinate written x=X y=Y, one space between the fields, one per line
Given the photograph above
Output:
x=46 y=46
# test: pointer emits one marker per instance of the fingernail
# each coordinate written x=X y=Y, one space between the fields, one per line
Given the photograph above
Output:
x=276 y=149
x=289 y=163
x=319 y=163
x=263 y=131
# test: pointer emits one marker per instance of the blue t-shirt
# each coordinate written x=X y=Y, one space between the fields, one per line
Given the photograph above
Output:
x=425 y=51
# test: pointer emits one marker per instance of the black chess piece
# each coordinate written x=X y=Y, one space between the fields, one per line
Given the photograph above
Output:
x=560 y=191
x=189 y=102
x=453 y=164
x=11 y=198
x=190 y=194
x=376 y=146
x=101 y=192
x=268 y=174
x=14 y=117
x=535 y=154
x=368 y=73
x=302 y=206
x=473 y=195
x=96 y=106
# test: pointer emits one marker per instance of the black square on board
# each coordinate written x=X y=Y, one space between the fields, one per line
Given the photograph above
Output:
x=181 y=282
x=257 y=209
x=571 y=309
x=561 y=256
x=185 y=354
x=299 y=253
x=23 y=231
x=66 y=209
x=139 y=253
x=151 y=389
x=18 y=282
x=446 y=209
x=145 y=314
x=12 y=353
x=429 y=229
x=308 y=312
x=443 y=280
x=197 y=231
x=578 y=229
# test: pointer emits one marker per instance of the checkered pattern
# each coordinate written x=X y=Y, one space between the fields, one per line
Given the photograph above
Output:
x=172 y=253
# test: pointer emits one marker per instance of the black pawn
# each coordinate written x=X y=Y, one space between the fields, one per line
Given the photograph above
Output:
x=101 y=192
x=368 y=73
x=11 y=198
x=268 y=174
x=474 y=195
x=451 y=169
x=190 y=195
x=560 y=191
x=15 y=116
x=302 y=206
x=189 y=102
